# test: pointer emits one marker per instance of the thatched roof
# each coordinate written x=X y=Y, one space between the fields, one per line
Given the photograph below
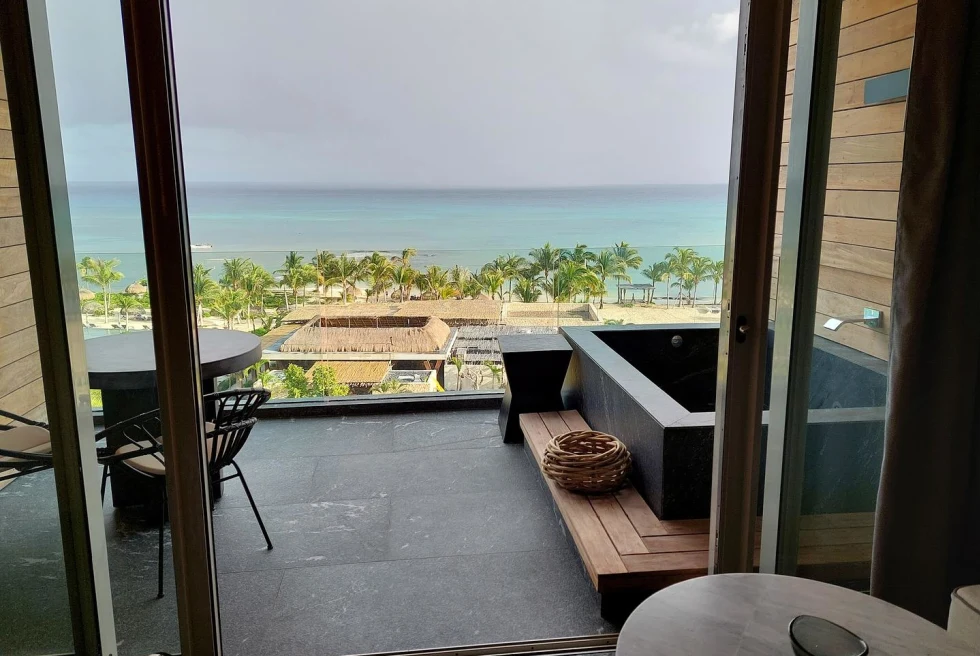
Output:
x=136 y=288
x=86 y=294
x=353 y=372
x=369 y=335
x=454 y=312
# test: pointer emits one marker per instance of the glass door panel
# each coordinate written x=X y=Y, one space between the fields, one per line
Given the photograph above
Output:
x=831 y=456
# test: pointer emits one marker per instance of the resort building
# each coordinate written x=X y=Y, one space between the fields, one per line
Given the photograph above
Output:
x=401 y=342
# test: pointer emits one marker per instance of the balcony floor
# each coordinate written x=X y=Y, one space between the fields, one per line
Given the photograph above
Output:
x=391 y=532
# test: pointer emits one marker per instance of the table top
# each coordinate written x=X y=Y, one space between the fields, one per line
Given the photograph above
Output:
x=749 y=614
x=127 y=360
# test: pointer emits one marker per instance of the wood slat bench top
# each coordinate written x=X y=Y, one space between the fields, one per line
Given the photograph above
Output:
x=624 y=545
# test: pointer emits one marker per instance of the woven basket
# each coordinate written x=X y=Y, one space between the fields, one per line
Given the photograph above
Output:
x=586 y=461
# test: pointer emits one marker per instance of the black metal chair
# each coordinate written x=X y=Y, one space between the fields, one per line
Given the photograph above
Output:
x=232 y=418
x=25 y=447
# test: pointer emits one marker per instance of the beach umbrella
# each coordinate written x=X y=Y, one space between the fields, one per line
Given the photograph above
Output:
x=356 y=292
x=136 y=289
x=86 y=295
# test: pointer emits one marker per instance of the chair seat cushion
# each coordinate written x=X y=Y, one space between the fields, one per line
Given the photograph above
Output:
x=152 y=464
x=964 y=614
x=26 y=439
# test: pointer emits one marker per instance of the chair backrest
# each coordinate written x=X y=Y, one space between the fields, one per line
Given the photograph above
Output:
x=233 y=419
x=234 y=405
x=143 y=431
x=226 y=440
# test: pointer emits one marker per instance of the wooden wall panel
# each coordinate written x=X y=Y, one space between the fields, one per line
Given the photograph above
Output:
x=873 y=289
x=866 y=150
x=859 y=232
x=17 y=344
x=862 y=204
x=13 y=259
x=9 y=202
x=896 y=26
x=877 y=61
x=19 y=373
x=21 y=389
x=877 y=119
x=858 y=11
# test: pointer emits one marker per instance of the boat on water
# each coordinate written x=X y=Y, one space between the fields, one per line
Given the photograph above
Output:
x=201 y=247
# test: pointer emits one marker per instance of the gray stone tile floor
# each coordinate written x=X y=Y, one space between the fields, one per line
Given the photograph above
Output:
x=391 y=532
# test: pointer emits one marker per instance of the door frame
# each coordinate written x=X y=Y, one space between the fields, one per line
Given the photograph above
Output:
x=742 y=338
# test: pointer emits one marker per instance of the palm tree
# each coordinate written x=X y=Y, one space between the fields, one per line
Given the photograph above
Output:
x=379 y=270
x=492 y=279
x=390 y=386
x=606 y=264
x=717 y=275
x=403 y=277
x=658 y=272
x=234 y=270
x=407 y=255
x=570 y=278
x=630 y=258
x=701 y=268
x=511 y=265
x=546 y=260
x=528 y=289
x=204 y=288
x=102 y=273
x=435 y=281
x=580 y=254
x=349 y=271
x=458 y=277
x=292 y=275
x=126 y=303
x=679 y=260
x=229 y=303
x=325 y=263
x=496 y=371
x=254 y=283
x=458 y=362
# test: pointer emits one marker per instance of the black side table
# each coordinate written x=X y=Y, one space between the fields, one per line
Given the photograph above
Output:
x=535 y=366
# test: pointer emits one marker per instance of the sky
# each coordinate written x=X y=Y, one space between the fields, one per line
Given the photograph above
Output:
x=415 y=93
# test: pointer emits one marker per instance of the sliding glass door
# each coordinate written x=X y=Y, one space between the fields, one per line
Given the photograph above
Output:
x=104 y=496
x=826 y=348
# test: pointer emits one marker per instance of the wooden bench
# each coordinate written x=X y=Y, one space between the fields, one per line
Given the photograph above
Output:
x=629 y=553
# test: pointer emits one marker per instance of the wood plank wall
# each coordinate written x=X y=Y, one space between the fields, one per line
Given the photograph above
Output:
x=21 y=389
x=863 y=177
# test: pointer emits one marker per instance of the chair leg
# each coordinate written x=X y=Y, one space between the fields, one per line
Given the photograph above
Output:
x=105 y=477
x=255 y=509
x=163 y=519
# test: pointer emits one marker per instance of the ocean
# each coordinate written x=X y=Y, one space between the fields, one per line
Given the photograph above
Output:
x=468 y=227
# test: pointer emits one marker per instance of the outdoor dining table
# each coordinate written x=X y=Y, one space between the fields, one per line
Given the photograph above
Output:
x=742 y=614
x=123 y=367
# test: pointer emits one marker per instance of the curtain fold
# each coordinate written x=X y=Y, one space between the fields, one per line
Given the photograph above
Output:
x=927 y=527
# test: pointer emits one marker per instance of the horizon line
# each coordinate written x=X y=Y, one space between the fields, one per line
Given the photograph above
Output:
x=331 y=187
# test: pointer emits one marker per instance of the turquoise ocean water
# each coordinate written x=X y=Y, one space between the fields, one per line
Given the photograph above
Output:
x=447 y=226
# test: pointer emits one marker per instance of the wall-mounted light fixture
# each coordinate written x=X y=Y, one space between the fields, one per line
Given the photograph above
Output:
x=871 y=318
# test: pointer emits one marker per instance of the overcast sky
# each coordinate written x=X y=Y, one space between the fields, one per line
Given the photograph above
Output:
x=433 y=93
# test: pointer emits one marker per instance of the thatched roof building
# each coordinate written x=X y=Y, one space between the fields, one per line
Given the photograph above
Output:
x=424 y=336
x=452 y=311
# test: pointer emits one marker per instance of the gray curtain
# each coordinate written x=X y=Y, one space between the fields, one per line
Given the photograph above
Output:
x=927 y=528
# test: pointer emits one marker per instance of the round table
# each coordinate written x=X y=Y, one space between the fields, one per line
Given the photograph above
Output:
x=124 y=368
x=742 y=614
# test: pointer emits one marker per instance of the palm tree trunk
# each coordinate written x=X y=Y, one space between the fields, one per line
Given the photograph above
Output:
x=694 y=297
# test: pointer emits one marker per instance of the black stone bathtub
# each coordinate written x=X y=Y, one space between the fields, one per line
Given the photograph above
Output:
x=654 y=388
